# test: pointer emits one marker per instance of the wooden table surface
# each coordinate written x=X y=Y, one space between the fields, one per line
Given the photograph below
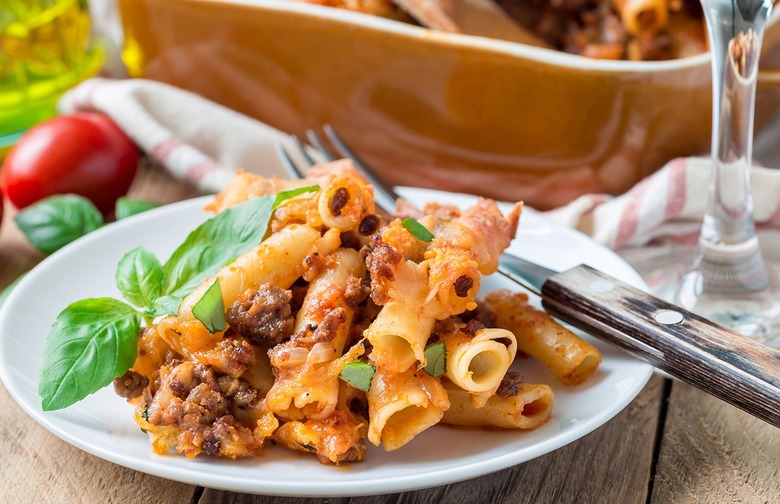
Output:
x=673 y=443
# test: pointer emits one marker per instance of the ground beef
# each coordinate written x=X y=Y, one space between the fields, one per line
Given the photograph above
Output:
x=369 y=225
x=130 y=385
x=263 y=316
x=338 y=201
x=351 y=240
x=381 y=263
x=357 y=291
x=237 y=355
x=481 y=314
x=324 y=331
x=462 y=285
x=510 y=385
x=472 y=326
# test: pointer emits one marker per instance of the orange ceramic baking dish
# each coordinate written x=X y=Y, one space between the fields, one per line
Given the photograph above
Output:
x=430 y=109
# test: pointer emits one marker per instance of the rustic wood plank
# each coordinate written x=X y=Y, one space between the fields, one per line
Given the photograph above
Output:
x=713 y=452
x=38 y=467
x=612 y=464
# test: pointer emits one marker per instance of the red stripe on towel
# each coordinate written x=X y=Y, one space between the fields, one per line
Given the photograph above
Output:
x=162 y=150
x=675 y=201
x=629 y=221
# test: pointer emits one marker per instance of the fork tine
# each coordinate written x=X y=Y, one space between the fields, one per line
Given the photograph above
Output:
x=289 y=165
x=304 y=152
x=317 y=142
x=384 y=195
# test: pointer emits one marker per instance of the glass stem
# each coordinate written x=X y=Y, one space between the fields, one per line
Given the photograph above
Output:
x=730 y=258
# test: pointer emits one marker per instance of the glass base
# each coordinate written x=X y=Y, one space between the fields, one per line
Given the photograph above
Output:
x=755 y=314
x=667 y=271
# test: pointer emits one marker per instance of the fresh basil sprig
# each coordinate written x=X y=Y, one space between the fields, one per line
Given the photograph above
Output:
x=418 y=230
x=94 y=340
x=139 y=277
x=54 y=222
x=215 y=242
x=126 y=207
x=210 y=309
x=436 y=358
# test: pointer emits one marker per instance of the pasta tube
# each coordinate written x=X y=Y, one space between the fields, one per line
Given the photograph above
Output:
x=643 y=15
x=333 y=439
x=453 y=282
x=345 y=197
x=529 y=408
x=321 y=330
x=402 y=406
x=398 y=336
x=568 y=356
x=478 y=364
x=280 y=260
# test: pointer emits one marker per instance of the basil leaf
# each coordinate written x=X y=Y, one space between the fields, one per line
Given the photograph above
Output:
x=285 y=195
x=418 y=230
x=139 y=277
x=210 y=309
x=215 y=242
x=4 y=294
x=54 y=222
x=436 y=357
x=126 y=207
x=165 y=305
x=358 y=374
x=92 y=342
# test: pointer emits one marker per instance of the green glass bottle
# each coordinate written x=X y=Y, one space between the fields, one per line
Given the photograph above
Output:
x=46 y=48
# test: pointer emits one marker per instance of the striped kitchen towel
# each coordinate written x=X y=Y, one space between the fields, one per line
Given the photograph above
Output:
x=196 y=140
x=667 y=206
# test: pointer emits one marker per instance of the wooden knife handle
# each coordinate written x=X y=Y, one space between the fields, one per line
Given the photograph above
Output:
x=696 y=350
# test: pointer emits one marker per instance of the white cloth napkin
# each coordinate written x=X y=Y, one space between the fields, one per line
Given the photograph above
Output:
x=202 y=142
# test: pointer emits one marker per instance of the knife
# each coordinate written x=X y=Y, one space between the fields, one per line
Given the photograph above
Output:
x=691 y=348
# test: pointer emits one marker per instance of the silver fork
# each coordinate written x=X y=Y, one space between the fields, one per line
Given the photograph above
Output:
x=693 y=349
x=533 y=275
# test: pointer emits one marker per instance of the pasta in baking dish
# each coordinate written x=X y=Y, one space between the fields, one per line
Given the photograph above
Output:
x=346 y=325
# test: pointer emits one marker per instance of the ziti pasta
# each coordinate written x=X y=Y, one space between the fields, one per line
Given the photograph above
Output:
x=333 y=325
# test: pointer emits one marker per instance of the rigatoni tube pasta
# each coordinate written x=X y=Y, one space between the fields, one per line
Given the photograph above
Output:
x=568 y=356
x=477 y=363
x=294 y=364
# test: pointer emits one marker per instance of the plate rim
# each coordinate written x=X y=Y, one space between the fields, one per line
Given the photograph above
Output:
x=373 y=486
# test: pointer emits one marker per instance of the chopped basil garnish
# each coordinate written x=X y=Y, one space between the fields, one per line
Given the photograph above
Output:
x=358 y=374
x=436 y=357
x=418 y=230
x=285 y=195
x=210 y=310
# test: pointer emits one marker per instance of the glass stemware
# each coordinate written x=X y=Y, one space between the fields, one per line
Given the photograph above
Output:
x=730 y=282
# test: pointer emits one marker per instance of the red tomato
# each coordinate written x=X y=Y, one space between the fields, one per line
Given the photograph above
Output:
x=84 y=154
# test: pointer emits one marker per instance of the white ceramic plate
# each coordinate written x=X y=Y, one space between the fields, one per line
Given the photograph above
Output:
x=102 y=424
